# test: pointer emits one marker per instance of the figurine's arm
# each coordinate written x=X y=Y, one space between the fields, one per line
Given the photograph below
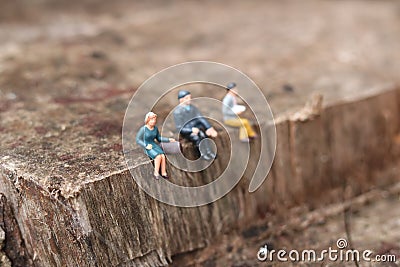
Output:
x=140 y=138
x=160 y=138
x=200 y=118
x=180 y=123
x=210 y=131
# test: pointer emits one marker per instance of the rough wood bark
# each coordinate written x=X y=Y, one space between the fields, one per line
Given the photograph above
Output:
x=108 y=221
x=11 y=241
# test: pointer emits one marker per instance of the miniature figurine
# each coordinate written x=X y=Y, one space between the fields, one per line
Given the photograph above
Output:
x=231 y=111
x=193 y=126
x=146 y=139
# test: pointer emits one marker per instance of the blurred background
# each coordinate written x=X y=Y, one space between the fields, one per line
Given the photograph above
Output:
x=289 y=48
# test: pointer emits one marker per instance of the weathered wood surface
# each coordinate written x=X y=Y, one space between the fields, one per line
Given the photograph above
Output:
x=111 y=222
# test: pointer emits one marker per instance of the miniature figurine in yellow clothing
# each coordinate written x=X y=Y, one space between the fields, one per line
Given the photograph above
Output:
x=231 y=111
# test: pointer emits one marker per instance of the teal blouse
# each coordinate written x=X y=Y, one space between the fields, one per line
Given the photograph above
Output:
x=146 y=136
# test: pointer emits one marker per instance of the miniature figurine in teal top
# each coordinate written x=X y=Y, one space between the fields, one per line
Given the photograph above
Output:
x=146 y=139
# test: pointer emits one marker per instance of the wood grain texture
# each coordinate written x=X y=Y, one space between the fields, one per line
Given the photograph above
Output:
x=112 y=222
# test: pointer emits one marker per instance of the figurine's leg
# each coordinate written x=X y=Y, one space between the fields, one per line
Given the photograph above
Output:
x=197 y=140
x=163 y=165
x=239 y=123
x=206 y=147
x=157 y=163
x=250 y=132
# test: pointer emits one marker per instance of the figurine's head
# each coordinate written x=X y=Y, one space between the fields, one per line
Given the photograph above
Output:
x=150 y=119
x=184 y=97
x=231 y=87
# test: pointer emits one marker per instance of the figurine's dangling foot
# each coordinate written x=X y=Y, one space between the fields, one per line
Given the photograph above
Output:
x=253 y=137
x=165 y=176
x=206 y=157
x=211 y=154
x=156 y=176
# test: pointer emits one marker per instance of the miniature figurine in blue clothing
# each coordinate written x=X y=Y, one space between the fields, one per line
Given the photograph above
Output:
x=193 y=126
x=146 y=139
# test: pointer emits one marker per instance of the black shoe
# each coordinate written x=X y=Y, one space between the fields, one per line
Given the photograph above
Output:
x=165 y=176
x=212 y=155
x=206 y=157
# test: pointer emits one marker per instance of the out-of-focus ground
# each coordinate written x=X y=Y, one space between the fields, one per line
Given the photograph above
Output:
x=72 y=48
x=69 y=68
x=373 y=226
